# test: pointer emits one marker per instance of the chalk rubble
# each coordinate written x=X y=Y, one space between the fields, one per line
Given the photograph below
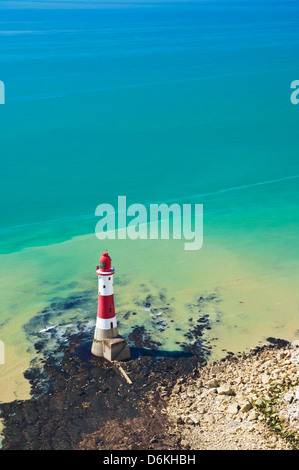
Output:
x=222 y=407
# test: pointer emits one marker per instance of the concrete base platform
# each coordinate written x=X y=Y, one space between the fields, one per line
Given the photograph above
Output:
x=112 y=349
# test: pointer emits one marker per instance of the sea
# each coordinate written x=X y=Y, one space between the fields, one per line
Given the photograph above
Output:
x=163 y=103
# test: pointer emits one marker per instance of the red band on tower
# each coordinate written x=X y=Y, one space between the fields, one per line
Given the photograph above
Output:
x=106 y=306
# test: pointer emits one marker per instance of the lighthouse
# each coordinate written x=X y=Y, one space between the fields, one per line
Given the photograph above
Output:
x=107 y=342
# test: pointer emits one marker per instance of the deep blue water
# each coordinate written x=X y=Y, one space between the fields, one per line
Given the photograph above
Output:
x=158 y=103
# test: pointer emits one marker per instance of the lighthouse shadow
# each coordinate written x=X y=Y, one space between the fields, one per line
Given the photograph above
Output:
x=157 y=353
x=83 y=351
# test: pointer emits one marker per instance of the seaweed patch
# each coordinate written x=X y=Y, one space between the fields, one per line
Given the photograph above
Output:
x=197 y=343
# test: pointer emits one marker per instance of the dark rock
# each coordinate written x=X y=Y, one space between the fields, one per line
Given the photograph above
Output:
x=278 y=342
x=89 y=404
x=140 y=337
x=83 y=402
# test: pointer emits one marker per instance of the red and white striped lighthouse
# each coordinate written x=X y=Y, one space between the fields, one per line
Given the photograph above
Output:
x=107 y=342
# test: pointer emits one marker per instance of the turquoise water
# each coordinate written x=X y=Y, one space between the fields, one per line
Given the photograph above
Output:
x=155 y=103
x=161 y=103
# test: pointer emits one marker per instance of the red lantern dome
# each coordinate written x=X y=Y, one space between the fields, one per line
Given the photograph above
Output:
x=105 y=264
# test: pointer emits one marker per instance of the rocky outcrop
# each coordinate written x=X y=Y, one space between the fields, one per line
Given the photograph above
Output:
x=89 y=404
x=249 y=401
x=173 y=400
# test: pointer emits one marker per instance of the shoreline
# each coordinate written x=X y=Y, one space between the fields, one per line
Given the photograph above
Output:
x=78 y=401
x=250 y=304
x=175 y=401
